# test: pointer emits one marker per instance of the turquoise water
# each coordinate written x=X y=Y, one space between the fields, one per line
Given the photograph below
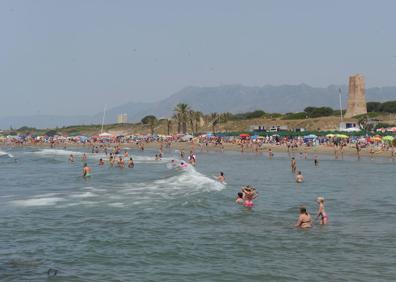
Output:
x=152 y=223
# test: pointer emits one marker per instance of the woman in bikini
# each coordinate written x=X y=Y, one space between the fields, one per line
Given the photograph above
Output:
x=304 y=220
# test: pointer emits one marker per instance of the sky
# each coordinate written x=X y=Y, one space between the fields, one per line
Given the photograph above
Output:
x=72 y=57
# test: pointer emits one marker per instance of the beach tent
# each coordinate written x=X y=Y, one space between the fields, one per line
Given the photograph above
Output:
x=187 y=137
x=83 y=138
x=106 y=135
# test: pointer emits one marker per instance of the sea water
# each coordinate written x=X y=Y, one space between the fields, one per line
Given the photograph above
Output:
x=154 y=223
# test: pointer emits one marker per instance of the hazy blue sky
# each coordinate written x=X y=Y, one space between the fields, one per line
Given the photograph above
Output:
x=72 y=57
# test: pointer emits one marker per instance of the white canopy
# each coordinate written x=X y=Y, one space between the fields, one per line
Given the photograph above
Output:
x=105 y=134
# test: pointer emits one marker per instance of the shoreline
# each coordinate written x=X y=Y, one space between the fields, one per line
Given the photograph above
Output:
x=187 y=146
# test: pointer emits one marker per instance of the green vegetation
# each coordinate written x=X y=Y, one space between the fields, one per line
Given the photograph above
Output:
x=248 y=115
x=189 y=120
x=151 y=121
x=385 y=107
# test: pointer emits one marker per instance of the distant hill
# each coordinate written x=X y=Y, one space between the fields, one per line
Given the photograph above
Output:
x=227 y=98
x=238 y=98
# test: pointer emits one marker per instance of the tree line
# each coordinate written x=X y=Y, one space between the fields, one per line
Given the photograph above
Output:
x=188 y=120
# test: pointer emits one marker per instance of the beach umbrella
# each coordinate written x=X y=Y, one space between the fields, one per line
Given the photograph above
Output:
x=310 y=136
x=376 y=138
x=388 y=138
x=244 y=135
x=330 y=135
x=342 y=136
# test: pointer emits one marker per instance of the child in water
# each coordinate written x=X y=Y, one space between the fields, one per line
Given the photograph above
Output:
x=321 y=212
x=239 y=200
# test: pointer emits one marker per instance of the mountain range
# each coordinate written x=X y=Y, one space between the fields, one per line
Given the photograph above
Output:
x=226 y=98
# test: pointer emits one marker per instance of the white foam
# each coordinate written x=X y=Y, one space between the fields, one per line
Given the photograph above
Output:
x=5 y=154
x=38 y=202
x=56 y=152
x=116 y=205
x=84 y=195
x=184 y=183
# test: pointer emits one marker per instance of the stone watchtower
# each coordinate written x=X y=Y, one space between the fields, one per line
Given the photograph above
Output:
x=356 y=97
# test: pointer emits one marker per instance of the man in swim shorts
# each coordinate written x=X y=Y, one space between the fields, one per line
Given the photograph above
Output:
x=86 y=170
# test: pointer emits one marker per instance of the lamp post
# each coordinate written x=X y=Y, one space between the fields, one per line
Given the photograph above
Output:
x=339 y=95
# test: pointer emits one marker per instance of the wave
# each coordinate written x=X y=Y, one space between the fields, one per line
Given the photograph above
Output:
x=66 y=153
x=56 y=152
x=184 y=183
x=178 y=186
x=49 y=201
x=5 y=154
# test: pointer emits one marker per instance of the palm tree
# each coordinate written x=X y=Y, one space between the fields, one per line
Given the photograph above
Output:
x=169 y=125
x=191 y=119
x=181 y=116
x=197 y=117
x=214 y=119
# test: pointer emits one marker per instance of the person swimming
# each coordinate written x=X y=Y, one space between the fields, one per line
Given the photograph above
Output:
x=101 y=162
x=299 y=177
x=239 y=200
x=321 y=212
x=221 y=177
x=86 y=170
x=304 y=219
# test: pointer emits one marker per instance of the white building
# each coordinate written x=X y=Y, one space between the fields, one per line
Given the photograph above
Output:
x=122 y=118
x=349 y=126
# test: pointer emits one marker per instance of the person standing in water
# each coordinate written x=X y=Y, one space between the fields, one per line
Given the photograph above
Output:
x=71 y=158
x=270 y=153
x=86 y=170
x=121 y=162
x=299 y=177
x=316 y=161
x=249 y=194
x=321 y=212
x=131 y=164
x=293 y=165
x=304 y=219
x=101 y=162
